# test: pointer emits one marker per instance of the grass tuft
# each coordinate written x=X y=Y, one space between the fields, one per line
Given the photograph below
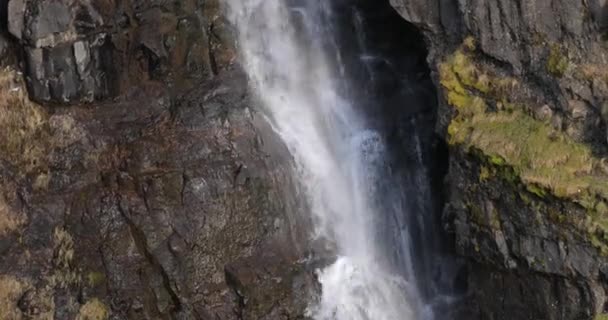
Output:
x=557 y=62
x=94 y=309
x=64 y=273
x=11 y=290
x=9 y=219
x=23 y=124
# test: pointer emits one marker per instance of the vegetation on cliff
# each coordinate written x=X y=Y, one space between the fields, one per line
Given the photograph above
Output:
x=11 y=290
x=23 y=124
x=93 y=310
x=545 y=160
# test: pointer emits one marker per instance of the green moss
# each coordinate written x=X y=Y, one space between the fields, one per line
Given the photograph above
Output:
x=469 y=43
x=519 y=147
x=496 y=165
x=541 y=157
x=484 y=174
x=539 y=192
x=603 y=316
x=465 y=82
x=525 y=198
x=94 y=279
x=557 y=62
x=601 y=208
x=497 y=160
x=599 y=242
x=509 y=175
x=476 y=214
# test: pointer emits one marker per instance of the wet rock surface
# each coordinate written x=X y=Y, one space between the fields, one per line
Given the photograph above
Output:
x=520 y=82
x=165 y=196
x=149 y=209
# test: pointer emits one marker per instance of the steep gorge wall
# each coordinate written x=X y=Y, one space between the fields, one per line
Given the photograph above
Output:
x=523 y=88
x=165 y=197
x=146 y=186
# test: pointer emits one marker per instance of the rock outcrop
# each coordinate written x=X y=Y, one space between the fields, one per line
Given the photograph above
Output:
x=167 y=198
x=524 y=90
x=84 y=51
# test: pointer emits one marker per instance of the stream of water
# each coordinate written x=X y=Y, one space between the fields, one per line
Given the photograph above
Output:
x=289 y=52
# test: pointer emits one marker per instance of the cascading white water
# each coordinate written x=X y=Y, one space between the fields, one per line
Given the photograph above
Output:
x=338 y=158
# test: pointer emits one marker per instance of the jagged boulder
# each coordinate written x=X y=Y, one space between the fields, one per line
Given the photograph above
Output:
x=84 y=51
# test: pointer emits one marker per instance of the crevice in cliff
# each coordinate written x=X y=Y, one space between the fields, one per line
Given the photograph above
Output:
x=386 y=59
x=140 y=241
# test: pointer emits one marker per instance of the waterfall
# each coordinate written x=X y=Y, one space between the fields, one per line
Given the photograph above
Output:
x=297 y=73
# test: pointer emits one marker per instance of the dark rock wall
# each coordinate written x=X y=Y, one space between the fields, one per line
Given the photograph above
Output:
x=520 y=82
x=385 y=58
x=77 y=51
x=148 y=187
x=520 y=38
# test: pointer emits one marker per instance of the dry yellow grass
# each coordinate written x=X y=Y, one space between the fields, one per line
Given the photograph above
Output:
x=23 y=124
x=11 y=289
x=94 y=309
x=9 y=219
x=64 y=274
x=592 y=72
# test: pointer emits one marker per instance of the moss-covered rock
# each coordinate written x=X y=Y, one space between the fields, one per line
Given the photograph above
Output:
x=557 y=62
x=545 y=160
x=535 y=151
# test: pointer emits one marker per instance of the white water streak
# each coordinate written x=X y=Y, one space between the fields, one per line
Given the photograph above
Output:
x=336 y=156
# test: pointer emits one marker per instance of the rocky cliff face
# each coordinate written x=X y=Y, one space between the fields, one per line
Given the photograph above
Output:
x=524 y=97
x=167 y=197
x=142 y=184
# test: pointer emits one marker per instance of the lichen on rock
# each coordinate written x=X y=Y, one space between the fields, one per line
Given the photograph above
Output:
x=64 y=274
